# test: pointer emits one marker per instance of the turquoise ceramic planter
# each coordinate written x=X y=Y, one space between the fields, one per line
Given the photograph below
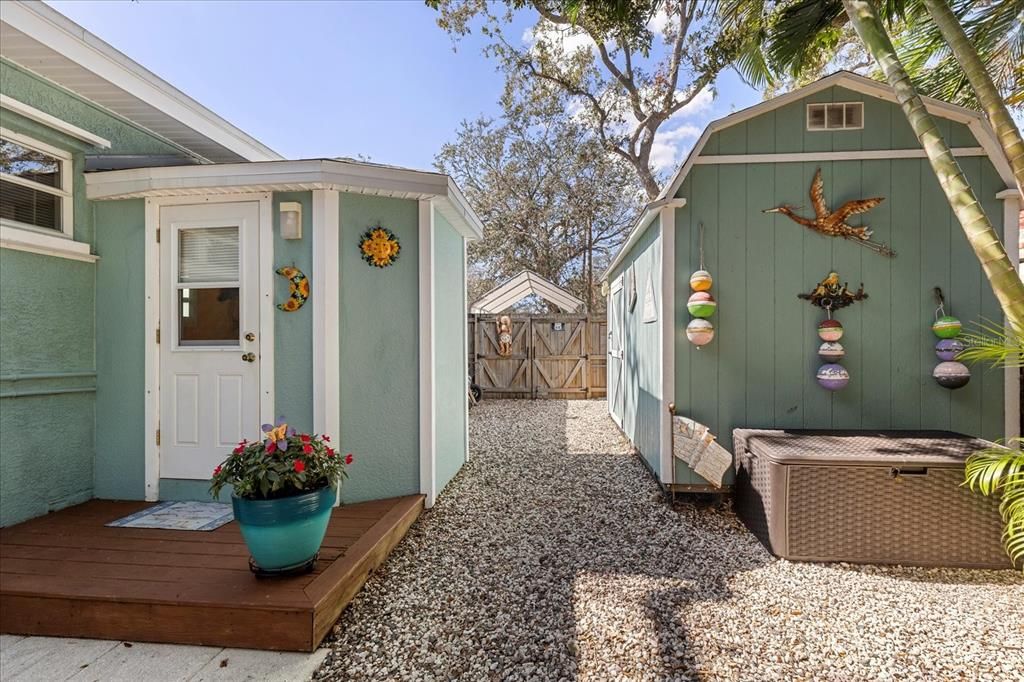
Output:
x=287 y=531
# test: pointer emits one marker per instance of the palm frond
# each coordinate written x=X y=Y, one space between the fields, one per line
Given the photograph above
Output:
x=992 y=344
x=999 y=470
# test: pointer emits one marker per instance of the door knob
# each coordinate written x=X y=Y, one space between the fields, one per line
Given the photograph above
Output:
x=249 y=357
x=250 y=337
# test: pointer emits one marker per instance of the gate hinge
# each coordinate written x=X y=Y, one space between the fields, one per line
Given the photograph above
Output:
x=158 y=436
x=158 y=235
x=158 y=334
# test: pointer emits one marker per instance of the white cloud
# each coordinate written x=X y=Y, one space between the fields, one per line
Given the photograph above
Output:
x=670 y=146
x=571 y=39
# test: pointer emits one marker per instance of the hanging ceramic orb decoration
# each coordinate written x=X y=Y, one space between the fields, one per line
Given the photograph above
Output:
x=831 y=351
x=946 y=327
x=830 y=330
x=947 y=349
x=952 y=374
x=700 y=332
x=700 y=280
x=701 y=304
x=833 y=377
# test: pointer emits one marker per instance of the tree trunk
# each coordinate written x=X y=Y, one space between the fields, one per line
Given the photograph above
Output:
x=981 y=83
x=1002 y=275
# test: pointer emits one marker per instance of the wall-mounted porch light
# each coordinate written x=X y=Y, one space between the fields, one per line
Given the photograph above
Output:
x=291 y=220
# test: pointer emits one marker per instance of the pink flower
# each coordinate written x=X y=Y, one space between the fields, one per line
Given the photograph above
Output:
x=330 y=452
x=349 y=458
x=326 y=438
x=307 y=449
x=216 y=472
x=271 y=448
x=299 y=466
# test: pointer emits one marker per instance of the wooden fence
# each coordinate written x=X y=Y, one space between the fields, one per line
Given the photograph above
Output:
x=553 y=356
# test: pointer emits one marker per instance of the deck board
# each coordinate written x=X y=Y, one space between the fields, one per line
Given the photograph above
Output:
x=66 y=574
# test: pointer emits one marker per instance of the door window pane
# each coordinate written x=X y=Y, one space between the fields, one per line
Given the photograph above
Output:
x=208 y=254
x=29 y=206
x=208 y=316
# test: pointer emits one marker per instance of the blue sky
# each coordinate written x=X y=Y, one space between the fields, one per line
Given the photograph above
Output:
x=322 y=79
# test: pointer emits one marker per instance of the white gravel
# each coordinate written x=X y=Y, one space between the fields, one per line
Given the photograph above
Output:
x=553 y=556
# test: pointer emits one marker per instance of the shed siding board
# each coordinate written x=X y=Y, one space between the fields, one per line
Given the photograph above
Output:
x=765 y=350
x=641 y=380
x=450 y=365
x=379 y=351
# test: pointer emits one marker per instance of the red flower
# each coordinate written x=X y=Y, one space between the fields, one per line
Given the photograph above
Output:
x=304 y=438
x=216 y=471
x=272 y=448
x=307 y=449
x=326 y=438
x=330 y=452
x=238 y=450
x=299 y=466
x=349 y=458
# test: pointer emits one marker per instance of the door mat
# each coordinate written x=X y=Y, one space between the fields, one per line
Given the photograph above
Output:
x=178 y=516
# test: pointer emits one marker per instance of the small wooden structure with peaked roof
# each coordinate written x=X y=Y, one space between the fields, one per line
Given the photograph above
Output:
x=517 y=288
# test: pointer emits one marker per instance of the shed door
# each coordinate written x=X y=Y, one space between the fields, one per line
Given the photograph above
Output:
x=615 y=350
x=209 y=347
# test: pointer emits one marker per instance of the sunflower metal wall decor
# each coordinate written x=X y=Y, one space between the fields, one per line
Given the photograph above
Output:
x=298 y=288
x=379 y=247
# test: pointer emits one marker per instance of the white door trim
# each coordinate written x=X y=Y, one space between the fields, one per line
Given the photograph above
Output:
x=428 y=440
x=666 y=342
x=326 y=314
x=152 y=319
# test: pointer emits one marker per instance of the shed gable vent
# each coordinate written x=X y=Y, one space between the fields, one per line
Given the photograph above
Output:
x=835 y=116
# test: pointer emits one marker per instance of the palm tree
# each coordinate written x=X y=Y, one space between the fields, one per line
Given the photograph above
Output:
x=1000 y=471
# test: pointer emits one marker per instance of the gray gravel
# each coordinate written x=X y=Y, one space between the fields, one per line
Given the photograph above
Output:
x=552 y=556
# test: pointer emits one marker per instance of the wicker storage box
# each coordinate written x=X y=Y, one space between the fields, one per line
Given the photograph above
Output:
x=890 y=497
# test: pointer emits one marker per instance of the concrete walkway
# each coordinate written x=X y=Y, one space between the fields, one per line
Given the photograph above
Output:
x=49 y=659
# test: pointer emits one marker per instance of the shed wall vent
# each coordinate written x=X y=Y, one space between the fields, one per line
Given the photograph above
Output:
x=835 y=116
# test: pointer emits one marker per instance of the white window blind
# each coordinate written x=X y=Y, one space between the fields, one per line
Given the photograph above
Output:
x=208 y=254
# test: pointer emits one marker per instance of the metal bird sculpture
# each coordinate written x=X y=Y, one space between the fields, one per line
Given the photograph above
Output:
x=833 y=223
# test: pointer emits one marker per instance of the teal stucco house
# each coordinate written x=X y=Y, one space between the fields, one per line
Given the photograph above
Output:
x=759 y=369
x=144 y=327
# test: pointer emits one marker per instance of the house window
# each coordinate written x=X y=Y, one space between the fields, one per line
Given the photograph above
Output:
x=35 y=185
x=835 y=116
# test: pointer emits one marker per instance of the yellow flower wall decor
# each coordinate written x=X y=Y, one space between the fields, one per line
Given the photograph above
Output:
x=298 y=288
x=379 y=247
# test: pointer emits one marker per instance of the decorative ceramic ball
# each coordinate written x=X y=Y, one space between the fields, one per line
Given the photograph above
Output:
x=947 y=349
x=946 y=327
x=700 y=332
x=701 y=304
x=700 y=280
x=952 y=374
x=831 y=351
x=833 y=377
x=830 y=330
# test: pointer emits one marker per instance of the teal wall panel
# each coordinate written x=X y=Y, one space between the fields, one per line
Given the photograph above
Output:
x=380 y=329
x=450 y=361
x=120 y=468
x=641 y=380
x=293 y=332
x=46 y=327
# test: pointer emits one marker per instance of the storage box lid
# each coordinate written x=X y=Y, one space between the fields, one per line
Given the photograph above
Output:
x=888 y=448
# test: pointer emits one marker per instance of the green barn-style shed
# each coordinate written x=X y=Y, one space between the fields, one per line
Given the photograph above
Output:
x=759 y=370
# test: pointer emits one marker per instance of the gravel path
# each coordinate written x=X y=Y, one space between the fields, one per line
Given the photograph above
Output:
x=552 y=556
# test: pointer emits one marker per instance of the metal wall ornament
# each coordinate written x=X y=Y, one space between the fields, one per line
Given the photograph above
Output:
x=379 y=247
x=298 y=288
x=829 y=294
x=948 y=373
x=833 y=223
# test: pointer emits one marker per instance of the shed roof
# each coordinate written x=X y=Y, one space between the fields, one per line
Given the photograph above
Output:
x=526 y=283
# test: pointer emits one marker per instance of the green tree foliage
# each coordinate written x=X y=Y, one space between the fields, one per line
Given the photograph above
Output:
x=550 y=195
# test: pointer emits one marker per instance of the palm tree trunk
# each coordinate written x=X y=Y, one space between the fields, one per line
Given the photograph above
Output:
x=981 y=83
x=1002 y=275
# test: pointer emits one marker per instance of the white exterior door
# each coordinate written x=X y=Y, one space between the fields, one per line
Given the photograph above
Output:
x=615 y=348
x=209 y=325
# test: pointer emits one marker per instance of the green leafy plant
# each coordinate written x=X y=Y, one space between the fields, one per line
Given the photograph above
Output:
x=282 y=464
x=992 y=344
x=999 y=470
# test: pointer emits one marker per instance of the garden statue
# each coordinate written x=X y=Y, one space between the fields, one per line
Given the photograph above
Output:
x=504 y=336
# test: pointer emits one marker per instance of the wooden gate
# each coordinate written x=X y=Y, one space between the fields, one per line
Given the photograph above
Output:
x=553 y=356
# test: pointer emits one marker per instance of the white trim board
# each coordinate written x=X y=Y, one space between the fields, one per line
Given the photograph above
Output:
x=326 y=314
x=666 y=341
x=17 y=238
x=428 y=409
x=1011 y=385
x=151 y=315
x=33 y=114
x=642 y=223
x=796 y=157
x=308 y=174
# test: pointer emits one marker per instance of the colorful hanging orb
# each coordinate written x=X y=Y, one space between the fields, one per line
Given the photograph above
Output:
x=946 y=327
x=952 y=374
x=701 y=304
x=700 y=332
x=831 y=351
x=947 y=349
x=830 y=330
x=833 y=377
x=700 y=280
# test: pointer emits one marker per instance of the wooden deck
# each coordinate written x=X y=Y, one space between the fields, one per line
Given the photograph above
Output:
x=66 y=574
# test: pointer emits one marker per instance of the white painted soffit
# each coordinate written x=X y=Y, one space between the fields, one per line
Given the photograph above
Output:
x=278 y=176
x=46 y=42
x=517 y=288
